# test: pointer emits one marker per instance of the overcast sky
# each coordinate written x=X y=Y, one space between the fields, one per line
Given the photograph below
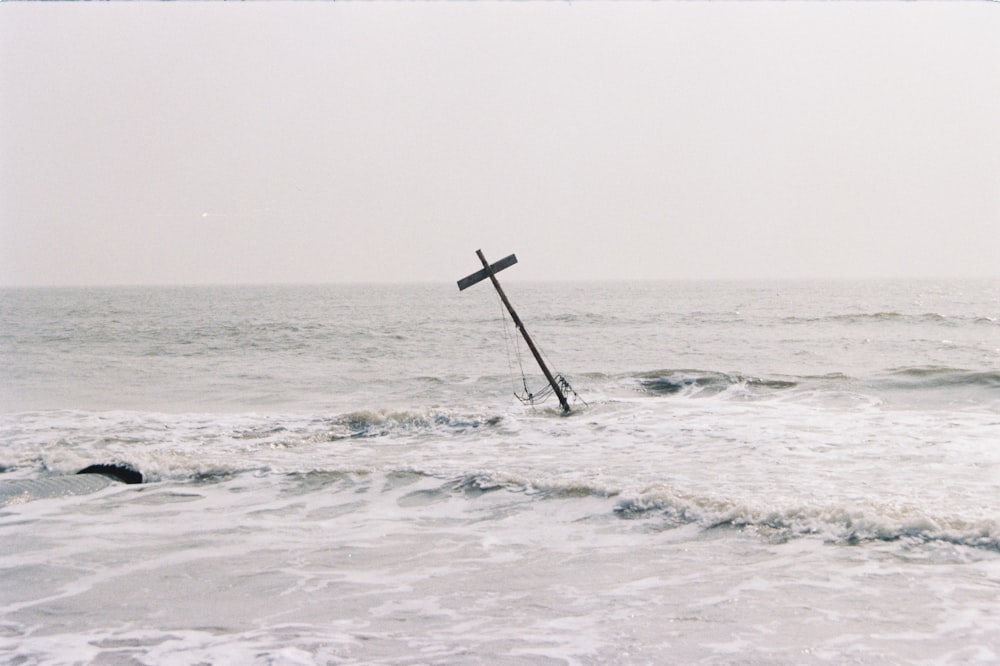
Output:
x=321 y=142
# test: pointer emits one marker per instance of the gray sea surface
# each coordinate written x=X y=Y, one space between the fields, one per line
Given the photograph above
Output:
x=779 y=472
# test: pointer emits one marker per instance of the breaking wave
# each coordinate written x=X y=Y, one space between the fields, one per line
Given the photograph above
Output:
x=841 y=525
x=703 y=383
x=666 y=509
x=366 y=423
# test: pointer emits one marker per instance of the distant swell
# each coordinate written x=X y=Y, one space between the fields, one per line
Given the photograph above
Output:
x=942 y=377
x=892 y=317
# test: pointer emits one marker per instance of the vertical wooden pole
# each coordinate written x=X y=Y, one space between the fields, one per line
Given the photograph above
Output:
x=527 y=338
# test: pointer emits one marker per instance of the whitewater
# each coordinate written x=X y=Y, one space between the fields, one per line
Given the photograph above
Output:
x=752 y=472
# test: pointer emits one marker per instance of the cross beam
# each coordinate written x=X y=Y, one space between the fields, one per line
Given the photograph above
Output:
x=490 y=271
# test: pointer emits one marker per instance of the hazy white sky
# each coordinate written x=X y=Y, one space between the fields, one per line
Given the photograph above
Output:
x=322 y=142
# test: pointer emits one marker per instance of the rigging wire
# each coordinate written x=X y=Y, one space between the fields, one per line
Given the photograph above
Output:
x=529 y=397
x=517 y=352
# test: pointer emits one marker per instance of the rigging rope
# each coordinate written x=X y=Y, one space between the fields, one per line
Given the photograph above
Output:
x=517 y=351
x=529 y=397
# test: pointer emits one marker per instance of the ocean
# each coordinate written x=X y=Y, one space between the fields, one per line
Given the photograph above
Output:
x=751 y=473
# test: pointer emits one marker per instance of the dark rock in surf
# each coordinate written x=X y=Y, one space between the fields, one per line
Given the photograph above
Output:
x=122 y=473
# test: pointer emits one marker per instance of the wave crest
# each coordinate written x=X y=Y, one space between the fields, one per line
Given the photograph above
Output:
x=705 y=382
x=942 y=377
x=365 y=423
x=842 y=525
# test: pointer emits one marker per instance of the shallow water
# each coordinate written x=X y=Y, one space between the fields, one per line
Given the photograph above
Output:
x=762 y=473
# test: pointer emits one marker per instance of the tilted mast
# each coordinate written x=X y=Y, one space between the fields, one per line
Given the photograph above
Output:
x=490 y=271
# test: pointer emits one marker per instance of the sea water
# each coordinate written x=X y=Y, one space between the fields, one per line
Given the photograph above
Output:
x=751 y=472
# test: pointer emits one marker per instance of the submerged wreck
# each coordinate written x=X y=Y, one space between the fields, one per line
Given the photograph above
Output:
x=557 y=383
